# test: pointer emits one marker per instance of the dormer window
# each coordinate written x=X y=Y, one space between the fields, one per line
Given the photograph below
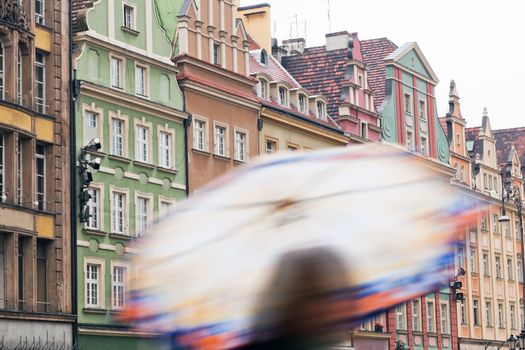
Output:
x=264 y=57
x=262 y=89
x=321 y=109
x=303 y=104
x=283 y=96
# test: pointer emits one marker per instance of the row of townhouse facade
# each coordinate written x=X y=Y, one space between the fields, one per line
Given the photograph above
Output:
x=112 y=115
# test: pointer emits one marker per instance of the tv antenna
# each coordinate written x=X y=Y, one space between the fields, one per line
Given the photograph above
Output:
x=329 y=18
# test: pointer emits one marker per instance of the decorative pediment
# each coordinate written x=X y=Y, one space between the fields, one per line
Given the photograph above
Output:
x=411 y=57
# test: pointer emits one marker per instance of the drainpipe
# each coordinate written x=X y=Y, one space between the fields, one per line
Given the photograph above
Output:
x=187 y=124
x=73 y=180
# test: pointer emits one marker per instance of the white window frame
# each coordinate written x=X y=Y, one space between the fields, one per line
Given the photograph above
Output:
x=125 y=210
x=320 y=114
x=241 y=157
x=512 y=316
x=216 y=54
x=510 y=269
x=149 y=212
x=121 y=74
x=486 y=264
x=40 y=102
x=497 y=266
x=125 y=133
x=92 y=108
x=475 y=312
x=205 y=134
x=431 y=316
x=262 y=88
x=305 y=99
x=165 y=200
x=19 y=77
x=488 y=313
x=501 y=315
x=473 y=260
x=283 y=100
x=142 y=123
x=100 y=282
x=119 y=284
x=416 y=315
x=226 y=139
x=133 y=18
x=273 y=141
x=463 y=312
x=99 y=206
x=44 y=176
x=401 y=319
x=145 y=69
x=166 y=130
x=445 y=324
x=40 y=18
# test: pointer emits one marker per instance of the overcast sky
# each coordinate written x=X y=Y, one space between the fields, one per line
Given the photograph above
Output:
x=478 y=43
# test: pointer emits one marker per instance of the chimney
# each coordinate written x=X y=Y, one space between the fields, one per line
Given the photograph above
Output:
x=338 y=41
x=257 y=20
x=294 y=46
x=278 y=52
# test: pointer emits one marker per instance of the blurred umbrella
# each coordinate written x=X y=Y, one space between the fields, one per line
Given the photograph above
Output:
x=391 y=220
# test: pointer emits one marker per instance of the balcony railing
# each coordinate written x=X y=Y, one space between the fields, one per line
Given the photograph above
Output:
x=14 y=15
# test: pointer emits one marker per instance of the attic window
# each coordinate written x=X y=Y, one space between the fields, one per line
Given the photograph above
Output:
x=264 y=57
x=302 y=103
x=283 y=96
x=321 y=109
x=262 y=89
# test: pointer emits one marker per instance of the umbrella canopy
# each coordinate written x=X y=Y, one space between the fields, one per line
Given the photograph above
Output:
x=391 y=221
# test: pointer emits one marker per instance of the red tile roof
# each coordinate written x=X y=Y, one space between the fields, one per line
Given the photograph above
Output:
x=374 y=51
x=505 y=139
x=322 y=72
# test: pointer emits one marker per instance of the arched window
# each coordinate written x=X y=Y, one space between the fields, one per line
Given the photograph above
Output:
x=283 y=96
x=462 y=173
x=264 y=57
x=456 y=170
x=321 y=110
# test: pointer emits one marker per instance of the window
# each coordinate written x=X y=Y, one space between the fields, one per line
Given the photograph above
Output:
x=40 y=82
x=485 y=182
x=142 y=221
x=498 y=266
x=320 y=110
x=457 y=140
x=488 y=313
x=416 y=318
x=264 y=57
x=512 y=311
x=220 y=136
x=507 y=229
x=410 y=140
x=271 y=146
x=517 y=230
x=463 y=313
x=501 y=317
x=91 y=126
x=94 y=209
x=292 y=148
x=484 y=222
x=408 y=104
x=490 y=183
x=486 y=269
x=475 y=308
x=142 y=144
x=495 y=223
x=3 y=272
x=216 y=54
x=473 y=261
x=510 y=274
x=118 y=287
x=518 y=270
x=2 y=68
x=302 y=104
x=129 y=17
x=364 y=130
x=19 y=77
x=41 y=277
x=116 y=73
x=424 y=146
x=262 y=89
x=199 y=134
x=164 y=208
x=39 y=12
x=92 y=285
x=165 y=150
x=2 y=160
x=40 y=176
x=240 y=146
x=360 y=80
x=431 y=327
x=462 y=173
x=422 y=110
x=461 y=257
x=283 y=96
x=19 y=172
x=141 y=81
x=118 y=213
x=400 y=317
x=117 y=137
x=444 y=319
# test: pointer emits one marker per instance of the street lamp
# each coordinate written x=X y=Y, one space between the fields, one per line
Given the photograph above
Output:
x=512 y=193
x=512 y=342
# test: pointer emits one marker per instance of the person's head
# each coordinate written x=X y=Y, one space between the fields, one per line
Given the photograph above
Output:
x=300 y=296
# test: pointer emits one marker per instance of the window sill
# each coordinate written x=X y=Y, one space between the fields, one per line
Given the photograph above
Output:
x=240 y=162
x=167 y=170
x=119 y=158
x=145 y=97
x=94 y=232
x=116 y=312
x=144 y=165
x=200 y=151
x=120 y=236
x=224 y=158
x=94 y=311
x=129 y=30
x=43 y=26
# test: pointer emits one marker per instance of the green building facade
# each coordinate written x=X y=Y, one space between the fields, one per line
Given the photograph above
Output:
x=129 y=99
